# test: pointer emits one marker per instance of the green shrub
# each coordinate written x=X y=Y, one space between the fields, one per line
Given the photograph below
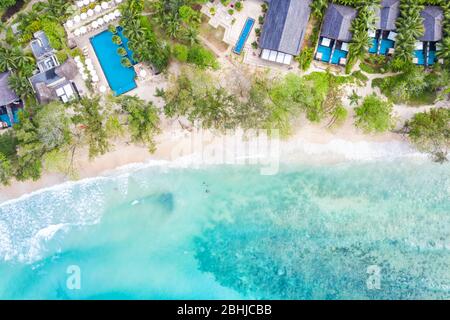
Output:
x=112 y=28
x=125 y=62
x=180 y=52
x=305 y=58
x=202 y=57
x=121 y=51
x=117 y=40
x=374 y=115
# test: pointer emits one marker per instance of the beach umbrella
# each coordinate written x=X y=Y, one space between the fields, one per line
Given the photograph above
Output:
x=102 y=89
x=84 y=76
x=106 y=18
x=86 y=2
x=83 y=16
x=80 y=4
x=79 y=63
x=101 y=21
x=97 y=9
x=90 y=67
x=143 y=73
x=88 y=61
x=118 y=1
x=117 y=13
x=94 y=25
x=69 y=23
x=77 y=32
x=95 y=79
x=92 y=1
x=105 y=5
x=76 y=19
x=83 y=30
x=77 y=58
x=90 y=12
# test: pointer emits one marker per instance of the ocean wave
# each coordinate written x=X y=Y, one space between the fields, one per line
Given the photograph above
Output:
x=32 y=220
x=355 y=151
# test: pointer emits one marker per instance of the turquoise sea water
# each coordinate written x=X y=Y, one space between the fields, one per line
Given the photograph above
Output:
x=309 y=232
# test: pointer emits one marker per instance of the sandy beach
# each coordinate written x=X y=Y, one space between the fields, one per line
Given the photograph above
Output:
x=175 y=143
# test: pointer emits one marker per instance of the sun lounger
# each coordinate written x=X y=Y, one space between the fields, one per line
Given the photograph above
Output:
x=319 y=55
x=392 y=36
x=344 y=46
x=391 y=51
x=419 y=45
x=372 y=33
x=326 y=42
x=415 y=60
x=342 y=61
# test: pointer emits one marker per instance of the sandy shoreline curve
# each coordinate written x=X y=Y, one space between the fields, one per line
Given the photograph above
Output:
x=309 y=143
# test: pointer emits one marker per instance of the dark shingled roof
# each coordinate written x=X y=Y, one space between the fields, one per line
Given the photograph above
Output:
x=7 y=95
x=433 y=17
x=388 y=14
x=337 y=22
x=285 y=25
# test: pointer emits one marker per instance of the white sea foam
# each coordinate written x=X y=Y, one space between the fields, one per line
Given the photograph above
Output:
x=26 y=223
x=353 y=151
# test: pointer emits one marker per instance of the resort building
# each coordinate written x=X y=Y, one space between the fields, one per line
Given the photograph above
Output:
x=284 y=30
x=53 y=81
x=335 y=34
x=383 y=38
x=428 y=44
x=10 y=103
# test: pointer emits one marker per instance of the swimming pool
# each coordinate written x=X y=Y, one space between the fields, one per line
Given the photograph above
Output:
x=374 y=46
x=120 y=79
x=431 y=58
x=337 y=55
x=244 y=35
x=326 y=53
x=386 y=44
x=420 y=57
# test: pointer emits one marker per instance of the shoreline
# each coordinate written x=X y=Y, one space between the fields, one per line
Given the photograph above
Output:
x=310 y=144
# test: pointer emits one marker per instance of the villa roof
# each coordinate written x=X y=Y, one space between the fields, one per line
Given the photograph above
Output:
x=388 y=14
x=41 y=45
x=44 y=94
x=433 y=18
x=67 y=70
x=337 y=22
x=7 y=95
x=285 y=25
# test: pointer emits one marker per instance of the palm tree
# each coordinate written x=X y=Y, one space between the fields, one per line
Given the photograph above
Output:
x=444 y=51
x=7 y=59
x=190 y=35
x=134 y=31
x=318 y=8
x=354 y=98
x=20 y=85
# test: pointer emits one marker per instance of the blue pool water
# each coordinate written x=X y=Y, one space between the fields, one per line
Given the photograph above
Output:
x=326 y=53
x=337 y=55
x=5 y=118
x=120 y=79
x=386 y=44
x=309 y=232
x=431 y=57
x=374 y=47
x=244 y=35
x=420 y=56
